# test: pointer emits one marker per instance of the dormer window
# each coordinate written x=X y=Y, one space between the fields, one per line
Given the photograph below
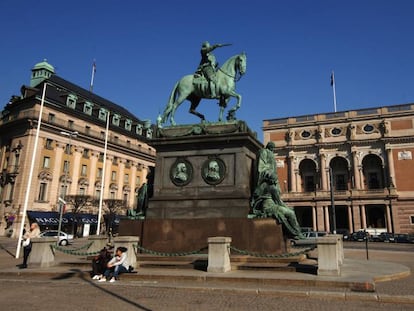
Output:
x=128 y=124
x=138 y=129
x=87 y=108
x=102 y=114
x=115 y=119
x=71 y=101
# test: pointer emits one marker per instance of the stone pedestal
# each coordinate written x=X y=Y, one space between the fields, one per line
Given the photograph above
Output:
x=330 y=255
x=219 y=254
x=203 y=171
x=130 y=242
x=99 y=242
x=42 y=254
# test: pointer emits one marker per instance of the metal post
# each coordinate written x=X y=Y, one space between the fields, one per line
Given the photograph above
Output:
x=332 y=201
x=62 y=199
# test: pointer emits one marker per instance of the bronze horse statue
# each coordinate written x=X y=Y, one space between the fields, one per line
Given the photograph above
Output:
x=195 y=88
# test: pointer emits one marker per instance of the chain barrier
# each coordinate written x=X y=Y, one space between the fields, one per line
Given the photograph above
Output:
x=148 y=251
x=285 y=255
x=75 y=252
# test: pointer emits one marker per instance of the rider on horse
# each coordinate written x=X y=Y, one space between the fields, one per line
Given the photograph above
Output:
x=208 y=65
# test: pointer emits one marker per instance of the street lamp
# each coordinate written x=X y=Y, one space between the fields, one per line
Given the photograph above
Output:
x=62 y=199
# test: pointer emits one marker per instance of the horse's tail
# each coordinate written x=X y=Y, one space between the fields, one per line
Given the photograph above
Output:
x=169 y=107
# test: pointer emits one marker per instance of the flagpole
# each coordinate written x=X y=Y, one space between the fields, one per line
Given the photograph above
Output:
x=333 y=88
x=93 y=76
x=29 y=180
x=103 y=176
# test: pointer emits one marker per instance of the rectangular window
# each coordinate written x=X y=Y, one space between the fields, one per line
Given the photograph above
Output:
x=49 y=143
x=82 y=191
x=63 y=190
x=67 y=149
x=138 y=129
x=84 y=170
x=99 y=173
x=115 y=161
x=125 y=198
x=137 y=181
x=42 y=191
x=126 y=178
x=412 y=220
x=51 y=118
x=70 y=124
x=340 y=182
x=101 y=157
x=46 y=162
x=116 y=139
x=87 y=130
x=66 y=166
x=97 y=193
x=85 y=153
x=112 y=195
x=102 y=135
x=113 y=176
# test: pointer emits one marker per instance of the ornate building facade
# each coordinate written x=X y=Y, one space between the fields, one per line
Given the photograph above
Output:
x=364 y=156
x=69 y=157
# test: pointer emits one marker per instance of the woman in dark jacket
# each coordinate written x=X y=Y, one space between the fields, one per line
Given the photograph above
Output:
x=99 y=263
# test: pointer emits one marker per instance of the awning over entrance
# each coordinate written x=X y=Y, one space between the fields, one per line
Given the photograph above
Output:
x=52 y=218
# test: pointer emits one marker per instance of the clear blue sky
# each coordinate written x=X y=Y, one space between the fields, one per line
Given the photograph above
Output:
x=142 y=48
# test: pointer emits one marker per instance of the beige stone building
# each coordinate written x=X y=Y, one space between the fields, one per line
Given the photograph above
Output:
x=367 y=156
x=69 y=156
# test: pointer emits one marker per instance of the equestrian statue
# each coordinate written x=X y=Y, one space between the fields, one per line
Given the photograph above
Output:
x=209 y=82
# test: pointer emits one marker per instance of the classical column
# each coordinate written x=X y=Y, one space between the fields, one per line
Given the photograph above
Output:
x=75 y=168
x=56 y=172
x=314 y=218
x=108 y=176
x=320 y=218
x=388 y=218
x=350 y=223
x=356 y=167
x=324 y=181
x=121 y=172
x=93 y=160
x=363 y=217
x=357 y=217
x=292 y=171
x=327 y=222
x=392 y=182
x=133 y=179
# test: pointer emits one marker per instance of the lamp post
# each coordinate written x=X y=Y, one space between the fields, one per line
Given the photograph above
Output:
x=62 y=199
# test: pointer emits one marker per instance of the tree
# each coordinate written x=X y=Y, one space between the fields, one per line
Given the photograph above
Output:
x=78 y=202
x=113 y=207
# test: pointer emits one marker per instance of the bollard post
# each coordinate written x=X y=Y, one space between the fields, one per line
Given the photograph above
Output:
x=99 y=242
x=329 y=255
x=219 y=254
x=42 y=253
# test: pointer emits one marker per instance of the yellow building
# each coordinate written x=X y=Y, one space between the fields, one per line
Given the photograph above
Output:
x=69 y=157
x=365 y=154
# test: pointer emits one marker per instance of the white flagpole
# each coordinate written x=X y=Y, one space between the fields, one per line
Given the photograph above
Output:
x=333 y=88
x=29 y=180
x=93 y=76
x=103 y=176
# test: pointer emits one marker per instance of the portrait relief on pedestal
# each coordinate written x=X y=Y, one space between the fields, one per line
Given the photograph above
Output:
x=181 y=172
x=213 y=171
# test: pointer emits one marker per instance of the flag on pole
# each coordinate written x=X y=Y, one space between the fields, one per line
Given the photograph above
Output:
x=333 y=89
x=93 y=75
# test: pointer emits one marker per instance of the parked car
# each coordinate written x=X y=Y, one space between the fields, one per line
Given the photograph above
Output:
x=345 y=234
x=64 y=238
x=310 y=236
x=403 y=238
x=384 y=237
x=359 y=236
